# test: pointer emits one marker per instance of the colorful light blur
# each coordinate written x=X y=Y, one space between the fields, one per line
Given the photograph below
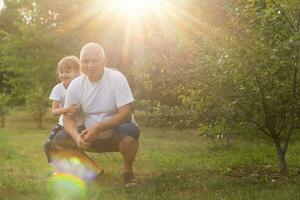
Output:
x=72 y=173
x=67 y=186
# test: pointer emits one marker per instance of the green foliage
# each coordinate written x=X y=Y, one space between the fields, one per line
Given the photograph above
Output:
x=4 y=107
x=172 y=116
x=37 y=105
x=243 y=72
x=219 y=132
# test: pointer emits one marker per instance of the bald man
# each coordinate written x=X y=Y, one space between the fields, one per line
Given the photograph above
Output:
x=106 y=101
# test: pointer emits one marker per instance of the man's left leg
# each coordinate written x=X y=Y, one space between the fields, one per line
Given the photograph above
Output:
x=125 y=141
x=128 y=146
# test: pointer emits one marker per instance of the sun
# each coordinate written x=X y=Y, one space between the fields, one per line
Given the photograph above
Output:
x=131 y=24
x=136 y=8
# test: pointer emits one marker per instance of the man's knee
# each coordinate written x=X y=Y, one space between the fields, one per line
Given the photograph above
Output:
x=128 y=140
x=47 y=146
x=128 y=129
x=62 y=140
x=128 y=143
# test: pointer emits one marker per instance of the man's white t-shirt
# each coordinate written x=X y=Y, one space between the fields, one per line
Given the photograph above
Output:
x=58 y=94
x=99 y=100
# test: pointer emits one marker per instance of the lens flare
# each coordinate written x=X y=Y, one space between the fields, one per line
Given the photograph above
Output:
x=73 y=171
x=75 y=163
x=74 y=167
x=67 y=186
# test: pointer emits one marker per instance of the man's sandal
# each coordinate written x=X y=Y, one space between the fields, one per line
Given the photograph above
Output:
x=129 y=180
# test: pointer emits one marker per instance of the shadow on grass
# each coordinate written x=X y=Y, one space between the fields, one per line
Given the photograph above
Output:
x=172 y=185
x=261 y=174
x=207 y=184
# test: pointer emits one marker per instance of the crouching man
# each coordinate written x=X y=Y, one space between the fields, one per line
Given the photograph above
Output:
x=105 y=99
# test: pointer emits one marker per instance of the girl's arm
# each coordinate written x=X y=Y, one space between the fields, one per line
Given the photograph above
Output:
x=57 y=109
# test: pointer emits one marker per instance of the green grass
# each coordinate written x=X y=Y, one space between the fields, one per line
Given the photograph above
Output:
x=171 y=165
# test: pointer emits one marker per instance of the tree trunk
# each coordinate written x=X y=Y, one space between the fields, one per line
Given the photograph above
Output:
x=147 y=116
x=281 y=156
x=40 y=124
x=2 y=121
x=40 y=121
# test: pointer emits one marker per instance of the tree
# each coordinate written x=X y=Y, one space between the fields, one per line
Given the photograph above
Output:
x=270 y=60
x=31 y=46
x=242 y=71
x=4 y=108
x=37 y=105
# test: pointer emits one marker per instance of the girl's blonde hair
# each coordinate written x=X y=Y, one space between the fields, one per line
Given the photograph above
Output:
x=69 y=62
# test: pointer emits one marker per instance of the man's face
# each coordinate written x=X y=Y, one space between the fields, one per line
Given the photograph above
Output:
x=92 y=64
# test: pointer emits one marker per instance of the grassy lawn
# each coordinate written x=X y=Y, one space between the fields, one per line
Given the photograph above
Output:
x=171 y=165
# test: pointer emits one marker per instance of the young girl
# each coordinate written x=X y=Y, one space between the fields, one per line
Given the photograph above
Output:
x=68 y=69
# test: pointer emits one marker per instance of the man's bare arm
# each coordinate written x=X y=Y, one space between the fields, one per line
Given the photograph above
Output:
x=123 y=115
x=70 y=126
x=71 y=129
x=58 y=110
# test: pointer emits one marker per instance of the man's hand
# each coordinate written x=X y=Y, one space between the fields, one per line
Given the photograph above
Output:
x=89 y=134
x=81 y=143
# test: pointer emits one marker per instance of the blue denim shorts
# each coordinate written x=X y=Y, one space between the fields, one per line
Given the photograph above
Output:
x=128 y=129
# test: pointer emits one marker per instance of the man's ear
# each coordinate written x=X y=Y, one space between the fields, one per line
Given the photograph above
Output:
x=104 y=62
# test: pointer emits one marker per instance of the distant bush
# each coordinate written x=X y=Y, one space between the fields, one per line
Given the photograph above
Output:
x=4 y=108
x=37 y=105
